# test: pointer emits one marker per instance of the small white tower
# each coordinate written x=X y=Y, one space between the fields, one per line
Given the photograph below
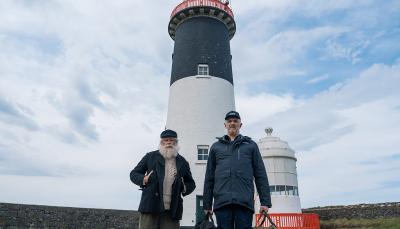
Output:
x=280 y=162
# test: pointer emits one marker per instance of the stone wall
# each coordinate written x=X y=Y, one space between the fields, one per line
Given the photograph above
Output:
x=16 y=216
x=35 y=216
x=365 y=211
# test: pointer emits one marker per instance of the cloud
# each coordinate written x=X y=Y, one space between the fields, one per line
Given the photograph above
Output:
x=337 y=51
x=86 y=93
x=18 y=159
x=79 y=115
x=288 y=45
x=14 y=115
x=64 y=134
x=344 y=135
x=25 y=166
x=318 y=79
x=291 y=42
x=266 y=105
x=376 y=82
x=88 y=192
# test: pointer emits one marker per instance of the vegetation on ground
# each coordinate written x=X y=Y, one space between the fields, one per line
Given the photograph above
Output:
x=379 y=223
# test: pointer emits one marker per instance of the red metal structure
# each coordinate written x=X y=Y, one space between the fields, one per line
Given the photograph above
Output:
x=195 y=3
x=195 y=8
x=292 y=220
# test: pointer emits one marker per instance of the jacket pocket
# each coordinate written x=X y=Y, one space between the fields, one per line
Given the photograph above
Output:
x=245 y=186
x=222 y=183
x=150 y=201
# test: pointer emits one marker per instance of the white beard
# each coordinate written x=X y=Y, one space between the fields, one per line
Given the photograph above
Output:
x=168 y=153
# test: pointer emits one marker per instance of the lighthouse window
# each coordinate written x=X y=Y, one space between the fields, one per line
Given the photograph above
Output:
x=280 y=189
x=287 y=190
x=202 y=152
x=296 y=191
x=202 y=69
x=272 y=190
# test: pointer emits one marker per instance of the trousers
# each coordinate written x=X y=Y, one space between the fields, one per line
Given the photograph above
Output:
x=234 y=216
x=157 y=221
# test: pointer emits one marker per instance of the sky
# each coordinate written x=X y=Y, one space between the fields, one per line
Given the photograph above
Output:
x=84 y=89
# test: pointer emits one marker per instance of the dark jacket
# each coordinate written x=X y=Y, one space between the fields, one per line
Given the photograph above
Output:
x=152 y=193
x=231 y=167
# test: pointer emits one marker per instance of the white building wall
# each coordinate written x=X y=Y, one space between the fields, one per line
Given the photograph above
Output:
x=281 y=170
x=280 y=162
x=285 y=204
x=196 y=111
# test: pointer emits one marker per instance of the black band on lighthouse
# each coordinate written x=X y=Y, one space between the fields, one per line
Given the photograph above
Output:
x=201 y=40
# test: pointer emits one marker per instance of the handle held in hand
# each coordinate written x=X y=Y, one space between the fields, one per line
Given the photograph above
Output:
x=266 y=216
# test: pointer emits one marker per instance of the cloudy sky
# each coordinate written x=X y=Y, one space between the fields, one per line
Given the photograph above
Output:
x=84 y=90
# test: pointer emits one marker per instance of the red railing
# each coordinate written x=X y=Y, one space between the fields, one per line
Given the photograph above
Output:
x=292 y=220
x=193 y=3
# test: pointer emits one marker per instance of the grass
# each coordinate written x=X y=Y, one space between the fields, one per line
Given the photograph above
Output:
x=379 y=223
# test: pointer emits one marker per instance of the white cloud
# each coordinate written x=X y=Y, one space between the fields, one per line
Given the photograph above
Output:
x=336 y=132
x=277 y=57
x=255 y=108
x=318 y=79
x=95 y=191
x=17 y=115
x=97 y=84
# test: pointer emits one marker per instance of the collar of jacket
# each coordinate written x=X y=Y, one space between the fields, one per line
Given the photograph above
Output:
x=238 y=140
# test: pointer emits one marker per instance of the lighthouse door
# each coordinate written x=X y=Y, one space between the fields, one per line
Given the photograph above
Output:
x=199 y=209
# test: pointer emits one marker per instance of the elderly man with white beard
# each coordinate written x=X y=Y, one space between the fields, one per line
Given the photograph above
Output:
x=164 y=177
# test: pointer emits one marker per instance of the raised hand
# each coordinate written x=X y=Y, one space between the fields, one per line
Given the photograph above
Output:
x=146 y=178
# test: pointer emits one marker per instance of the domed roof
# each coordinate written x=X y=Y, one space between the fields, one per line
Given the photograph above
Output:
x=271 y=146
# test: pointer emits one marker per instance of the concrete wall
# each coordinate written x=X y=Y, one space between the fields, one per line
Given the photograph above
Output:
x=36 y=216
x=365 y=211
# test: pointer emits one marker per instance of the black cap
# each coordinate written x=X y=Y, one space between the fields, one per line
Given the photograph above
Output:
x=232 y=114
x=168 y=134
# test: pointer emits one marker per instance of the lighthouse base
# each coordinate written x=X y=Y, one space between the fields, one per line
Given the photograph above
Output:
x=196 y=111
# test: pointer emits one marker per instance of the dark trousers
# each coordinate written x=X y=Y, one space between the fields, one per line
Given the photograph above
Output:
x=234 y=217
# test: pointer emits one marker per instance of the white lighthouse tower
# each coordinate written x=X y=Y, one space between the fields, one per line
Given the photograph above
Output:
x=280 y=162
x=201 y=87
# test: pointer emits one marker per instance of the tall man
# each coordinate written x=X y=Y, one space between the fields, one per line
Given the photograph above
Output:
x=164 y=177
x=233 y=162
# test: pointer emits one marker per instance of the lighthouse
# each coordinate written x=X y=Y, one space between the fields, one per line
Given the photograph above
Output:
x=201 y=87
x=280 y=162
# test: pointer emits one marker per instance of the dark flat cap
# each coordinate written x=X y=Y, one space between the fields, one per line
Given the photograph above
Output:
x=168 y=134
x=232 y=114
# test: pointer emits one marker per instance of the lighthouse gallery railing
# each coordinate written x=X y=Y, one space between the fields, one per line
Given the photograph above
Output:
x=195 y=3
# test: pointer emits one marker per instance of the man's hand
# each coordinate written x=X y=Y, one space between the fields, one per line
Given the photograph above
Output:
x=264 y=209
x=146 y=178
x=208 y=212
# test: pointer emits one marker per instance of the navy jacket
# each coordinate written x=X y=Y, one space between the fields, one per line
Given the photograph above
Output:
x=231 y=168
x=152 y=193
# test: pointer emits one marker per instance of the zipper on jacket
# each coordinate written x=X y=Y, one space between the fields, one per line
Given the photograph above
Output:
x=229 y=149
